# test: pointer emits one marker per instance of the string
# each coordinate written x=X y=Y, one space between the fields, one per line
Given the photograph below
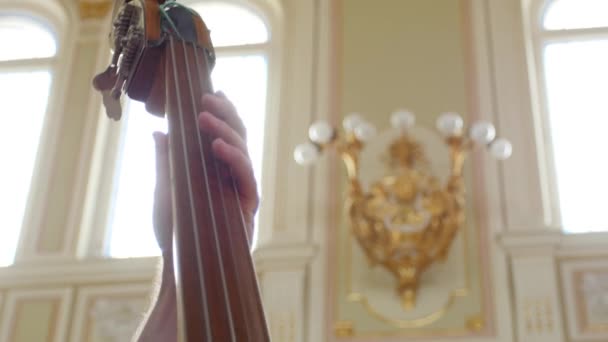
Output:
x=202 y=151
x=168 y=20
x=191 y=196
x=204 y=78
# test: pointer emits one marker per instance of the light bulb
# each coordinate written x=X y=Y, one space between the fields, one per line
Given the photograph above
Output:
x=501 y=149
x=365 y=131
x=351 y=122
x=482 y=132
x=306 y=154
x=321 y=132
x=403 y=120
x=450 y=124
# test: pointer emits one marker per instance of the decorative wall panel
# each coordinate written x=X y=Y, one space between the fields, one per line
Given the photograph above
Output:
x=109 y=313
x=427 y=76
x=536 y=299
x=585 y=289
x=36 y=315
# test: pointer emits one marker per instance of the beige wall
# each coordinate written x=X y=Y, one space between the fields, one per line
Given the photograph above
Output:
x=403 y=53
x=470 y=57
x=407 y=54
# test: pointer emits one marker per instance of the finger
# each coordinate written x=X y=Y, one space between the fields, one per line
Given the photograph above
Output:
x=242 y=172
x=162 y=207
x=220 y=129
x=162 y=156
x=221 y=107
x=221 y=94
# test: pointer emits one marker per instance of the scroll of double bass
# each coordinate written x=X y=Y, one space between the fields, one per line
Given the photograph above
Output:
x=163 y=57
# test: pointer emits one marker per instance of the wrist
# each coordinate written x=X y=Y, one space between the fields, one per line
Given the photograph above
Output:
x=168 y=273
x=249 y=229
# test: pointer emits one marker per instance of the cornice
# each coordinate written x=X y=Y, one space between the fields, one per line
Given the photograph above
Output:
x=554 y=242
x=94 y=9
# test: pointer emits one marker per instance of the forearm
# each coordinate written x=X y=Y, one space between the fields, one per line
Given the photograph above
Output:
x=161 y=322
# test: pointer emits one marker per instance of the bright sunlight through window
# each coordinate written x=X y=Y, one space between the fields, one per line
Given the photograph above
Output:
x=576 y=87
x=221 y=19
x=576 y=74
x=16 y=30
x=25 y=91
x=242 y=76
x=576 y=14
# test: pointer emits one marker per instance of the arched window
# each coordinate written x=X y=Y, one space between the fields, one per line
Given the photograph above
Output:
x=575 y=14
x=241 y=72
x=573 y=48
x=26 y=72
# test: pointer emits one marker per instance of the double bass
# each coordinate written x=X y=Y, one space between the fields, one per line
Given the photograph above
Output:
x=163 y=57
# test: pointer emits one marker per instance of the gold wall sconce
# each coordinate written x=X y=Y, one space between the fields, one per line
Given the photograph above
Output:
x=407 y=220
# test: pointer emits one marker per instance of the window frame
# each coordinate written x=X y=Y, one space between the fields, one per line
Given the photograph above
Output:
x=537 y=39
x=95 y=222
x=60 y=21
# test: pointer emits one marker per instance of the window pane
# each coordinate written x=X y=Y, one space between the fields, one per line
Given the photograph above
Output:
x=575 y=14
x=131 y=217
x=24 y=100
x=232 y=25
x=576 y=75
x=23 y=38
x=243 y=79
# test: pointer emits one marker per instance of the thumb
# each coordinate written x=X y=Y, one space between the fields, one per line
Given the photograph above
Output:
x=162 y=154
x=162 y=198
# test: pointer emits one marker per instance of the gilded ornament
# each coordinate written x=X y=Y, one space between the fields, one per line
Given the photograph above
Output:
x=407 y=220
x=344 y=329
x=90 y=9
x=475 y=323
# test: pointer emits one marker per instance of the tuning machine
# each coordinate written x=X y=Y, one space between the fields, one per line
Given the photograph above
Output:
x=127 y=38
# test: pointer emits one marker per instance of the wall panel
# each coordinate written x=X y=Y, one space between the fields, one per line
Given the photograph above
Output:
x=36 y=315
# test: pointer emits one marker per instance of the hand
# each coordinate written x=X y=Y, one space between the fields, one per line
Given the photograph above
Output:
x=219 y=120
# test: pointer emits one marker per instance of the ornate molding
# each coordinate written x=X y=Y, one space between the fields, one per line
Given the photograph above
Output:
x=540 y=241
x=79 y=272
x=117 y=320
x=94 y=9
x=591 y=288
x=538 y=315
x=283 y=326
x=290 y=256
x=344 y=329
